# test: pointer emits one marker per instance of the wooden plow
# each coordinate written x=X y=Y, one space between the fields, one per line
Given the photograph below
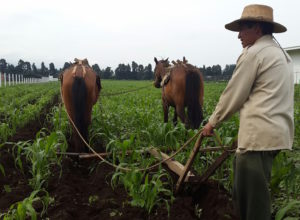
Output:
x=184 y=171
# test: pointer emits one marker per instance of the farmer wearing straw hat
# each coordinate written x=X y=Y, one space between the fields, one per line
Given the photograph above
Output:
x=262 y=90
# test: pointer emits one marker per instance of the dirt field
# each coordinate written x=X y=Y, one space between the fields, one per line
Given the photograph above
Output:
x=77 y=185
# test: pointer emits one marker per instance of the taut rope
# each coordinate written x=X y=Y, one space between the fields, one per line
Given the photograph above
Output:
x=128 y=91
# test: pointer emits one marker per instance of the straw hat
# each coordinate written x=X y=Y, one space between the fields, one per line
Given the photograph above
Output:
x=259 y=13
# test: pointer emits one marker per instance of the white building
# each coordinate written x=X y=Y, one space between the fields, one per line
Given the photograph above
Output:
x=294 y=52
x=47 y=79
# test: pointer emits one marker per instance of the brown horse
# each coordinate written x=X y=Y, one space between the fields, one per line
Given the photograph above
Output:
x=182 y=86
x=80 y=88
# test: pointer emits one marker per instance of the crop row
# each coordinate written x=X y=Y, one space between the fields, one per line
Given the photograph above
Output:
x=134 y=121
x=17 y=109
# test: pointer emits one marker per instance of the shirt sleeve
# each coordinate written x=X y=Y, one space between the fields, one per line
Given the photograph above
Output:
x=238 y=88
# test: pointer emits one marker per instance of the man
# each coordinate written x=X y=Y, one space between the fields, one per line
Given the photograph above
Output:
x=262 y=90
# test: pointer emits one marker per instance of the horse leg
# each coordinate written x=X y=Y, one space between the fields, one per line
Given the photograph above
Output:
x=180 y=112
x=166 y=111
x=76 y=142
x=175 y=117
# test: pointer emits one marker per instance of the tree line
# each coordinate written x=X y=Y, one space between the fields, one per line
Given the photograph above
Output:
x=134 y=71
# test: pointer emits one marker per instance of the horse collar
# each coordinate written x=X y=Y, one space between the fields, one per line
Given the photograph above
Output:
x=166 y=78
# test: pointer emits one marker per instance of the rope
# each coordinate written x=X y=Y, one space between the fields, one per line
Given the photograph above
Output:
x=125 y=168
x=128 y=91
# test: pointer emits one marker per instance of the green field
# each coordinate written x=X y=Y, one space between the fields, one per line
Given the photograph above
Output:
x=129 y=116
x=135 y=120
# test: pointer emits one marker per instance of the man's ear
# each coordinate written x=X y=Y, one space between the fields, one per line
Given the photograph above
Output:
x=258 y=29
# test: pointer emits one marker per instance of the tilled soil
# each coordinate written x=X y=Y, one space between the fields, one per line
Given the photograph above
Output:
x=85 y=193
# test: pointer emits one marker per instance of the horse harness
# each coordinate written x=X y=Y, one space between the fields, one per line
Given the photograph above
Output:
x=81 y=63
x=166 y=77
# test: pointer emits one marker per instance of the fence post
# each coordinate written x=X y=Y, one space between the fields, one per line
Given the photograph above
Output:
x=4 y=79
x=0 y=79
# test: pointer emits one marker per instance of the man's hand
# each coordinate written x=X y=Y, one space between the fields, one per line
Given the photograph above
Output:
x=208 y=130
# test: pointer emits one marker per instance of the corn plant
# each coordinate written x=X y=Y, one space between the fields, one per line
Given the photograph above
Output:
x=116 y=121
x=42 y=155
x=24 y=209
x=290 y=210
x=21 y=107
x=2 y=170
x=146 y=191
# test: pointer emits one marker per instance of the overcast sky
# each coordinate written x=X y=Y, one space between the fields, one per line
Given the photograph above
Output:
x=109 y=32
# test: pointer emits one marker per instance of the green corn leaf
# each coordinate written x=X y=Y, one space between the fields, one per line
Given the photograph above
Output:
x=291 y=205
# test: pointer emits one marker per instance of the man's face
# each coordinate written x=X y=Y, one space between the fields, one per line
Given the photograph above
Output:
x=248 y=35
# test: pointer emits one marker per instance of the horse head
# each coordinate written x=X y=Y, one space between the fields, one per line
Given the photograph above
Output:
x=160 y=70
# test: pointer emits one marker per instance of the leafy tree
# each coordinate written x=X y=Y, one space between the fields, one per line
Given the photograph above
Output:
x=34 y=69
x=97 y=69
x=123 y=71
x=140 y=72
x=19 y=68
x=134 y=67
x=107 y=73
x=11 y=68
x=229 y=69
x=66 y=66
x=134 y=71
x=44 y=70
x=216 y=70
x=148 y=73
x=26 y=68
x=3 y=66
x=52 y=71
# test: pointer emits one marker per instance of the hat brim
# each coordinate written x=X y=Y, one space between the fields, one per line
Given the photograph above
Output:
x=235 y=25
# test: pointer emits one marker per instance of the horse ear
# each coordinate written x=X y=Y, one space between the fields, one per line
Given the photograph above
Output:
x=155 y=60
x=167 y=59
x=85 y=61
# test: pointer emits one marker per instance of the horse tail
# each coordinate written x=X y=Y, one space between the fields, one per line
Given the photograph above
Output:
x=193 y=85
x=79 y=98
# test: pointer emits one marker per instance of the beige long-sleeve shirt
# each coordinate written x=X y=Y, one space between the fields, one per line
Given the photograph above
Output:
x=262 y=90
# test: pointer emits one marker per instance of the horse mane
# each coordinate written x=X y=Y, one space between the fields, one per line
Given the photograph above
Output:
x=165 y=63
x=187 y=66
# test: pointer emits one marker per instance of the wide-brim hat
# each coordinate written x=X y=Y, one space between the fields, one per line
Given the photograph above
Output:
x=259 y=13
